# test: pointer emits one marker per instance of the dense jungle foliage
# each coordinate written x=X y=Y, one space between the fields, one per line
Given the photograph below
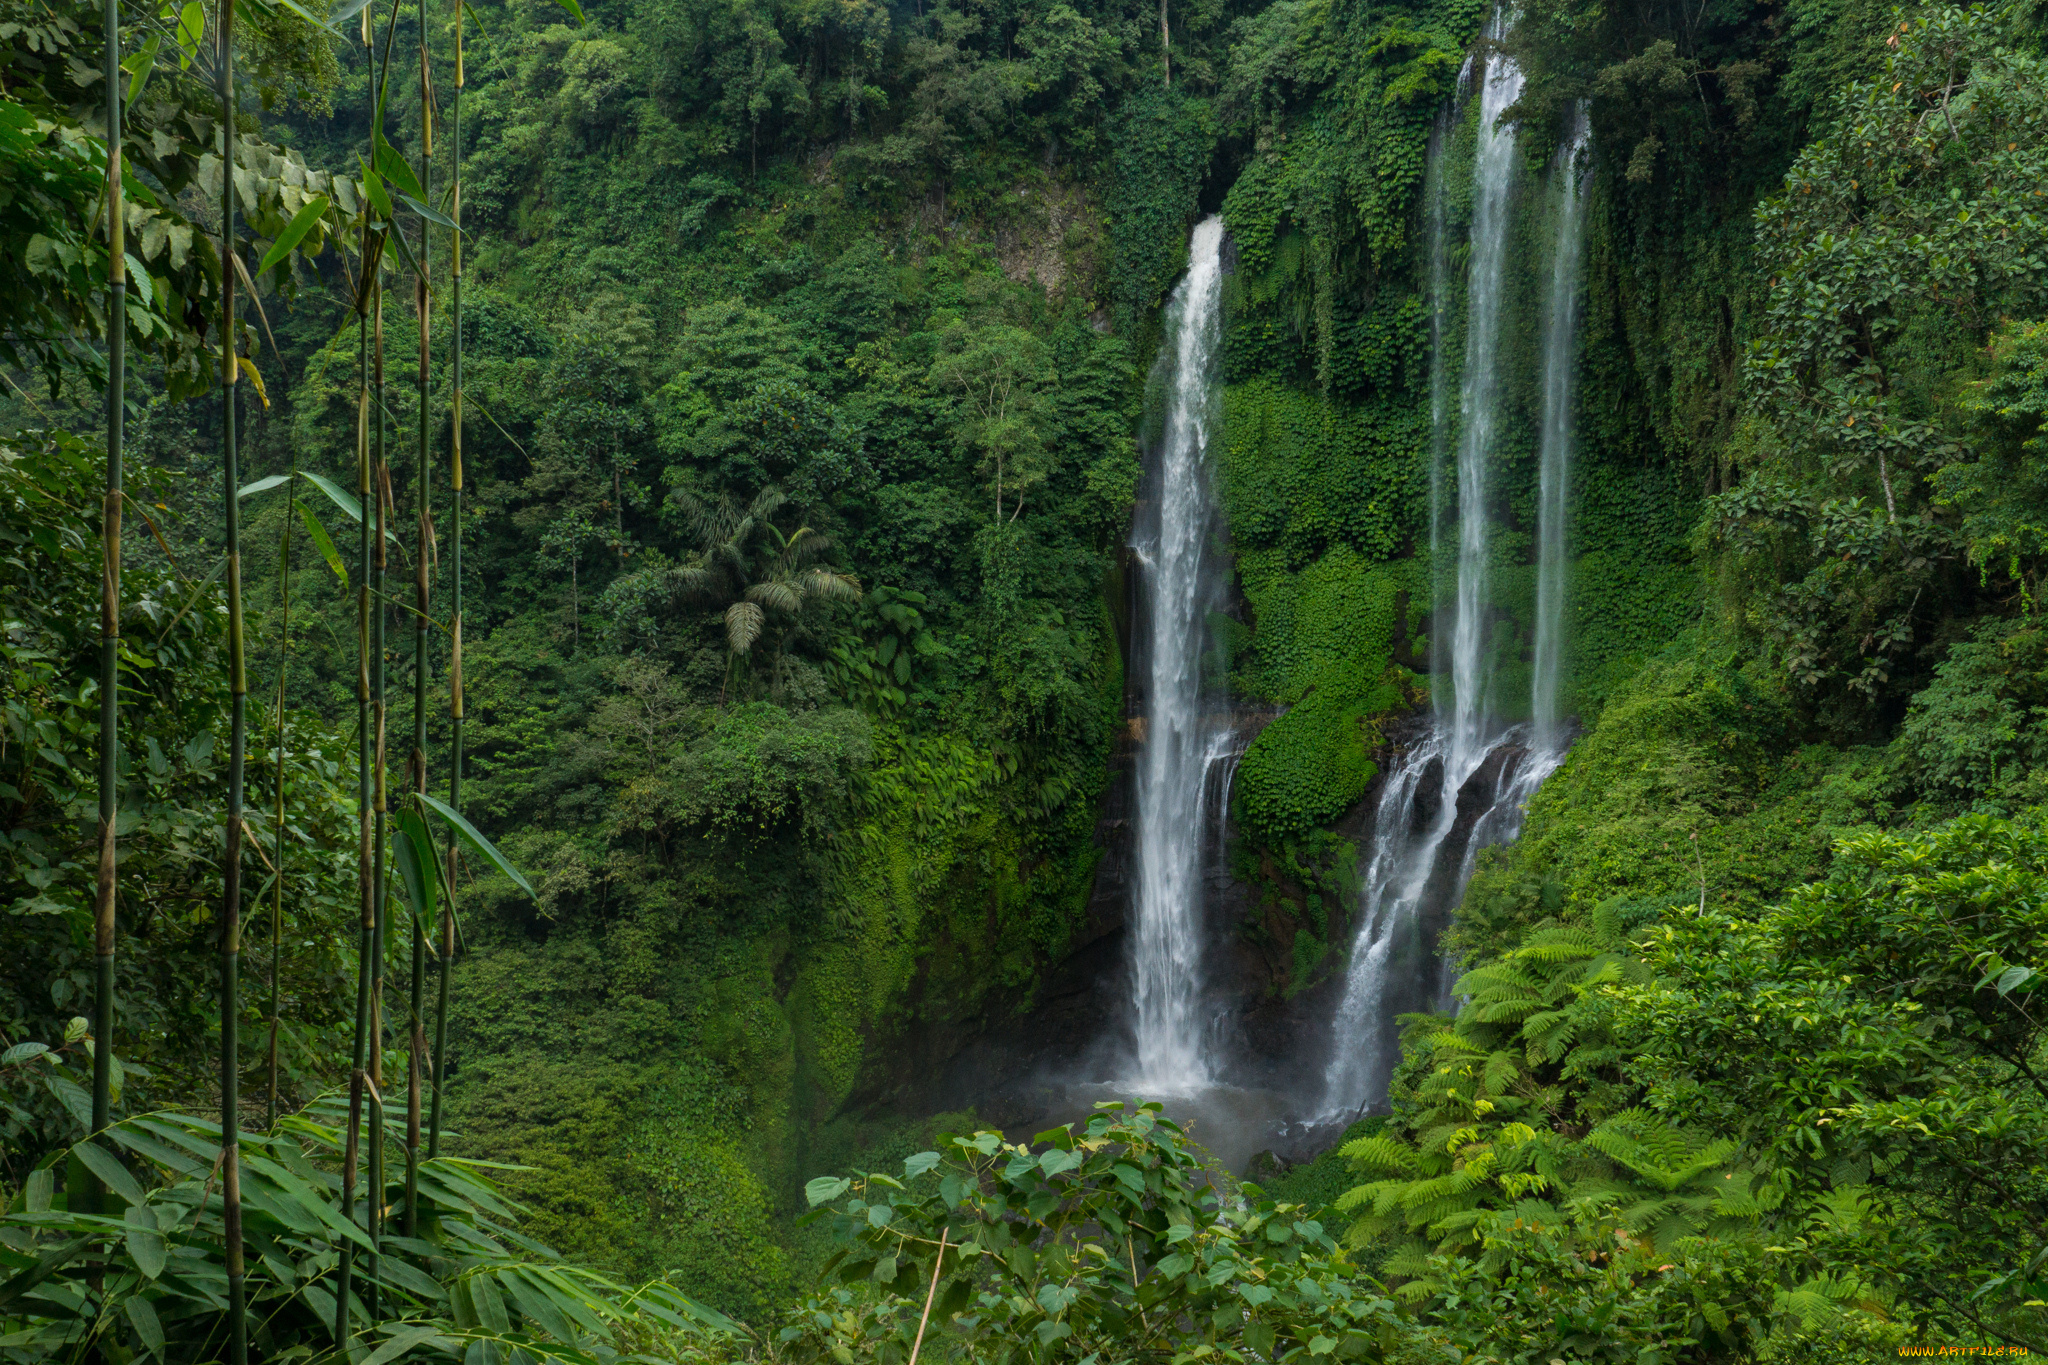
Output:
x=804 y=389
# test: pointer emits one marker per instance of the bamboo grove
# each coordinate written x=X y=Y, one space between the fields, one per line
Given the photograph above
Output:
x=383 y=223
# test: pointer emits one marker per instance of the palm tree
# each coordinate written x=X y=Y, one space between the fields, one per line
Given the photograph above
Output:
x=781 y=584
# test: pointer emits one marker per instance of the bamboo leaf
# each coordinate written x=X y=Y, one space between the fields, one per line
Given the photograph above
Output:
x=399 y=1343
x=142 y=1313
x=109 y=1169
x=416 y=866
x=430 y=215
x=322 y=542
x=573 y=8
x=341 y=498
x=254 y=376
x=405 y=255
x=347 y=10
x=145 y=1241
x=52 y=1261
x=310 y=213
x=262 y=485
x=483 y=847
x=394 y=168
x=373 y=186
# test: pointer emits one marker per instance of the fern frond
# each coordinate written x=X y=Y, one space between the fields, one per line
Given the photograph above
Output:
x=1379 y=1152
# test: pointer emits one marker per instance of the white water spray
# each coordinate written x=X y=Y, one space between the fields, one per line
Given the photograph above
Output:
x=1560 y=364
x=1179 y=747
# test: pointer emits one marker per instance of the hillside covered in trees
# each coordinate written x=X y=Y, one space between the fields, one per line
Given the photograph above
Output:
x=606 y=738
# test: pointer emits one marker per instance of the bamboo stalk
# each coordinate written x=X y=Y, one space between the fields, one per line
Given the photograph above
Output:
x=110 y=592
x=369 y=712
x=422 y=602
x=378 y=897
x=238 y=727
x=364 y=874
x=440 y=1055
x=284 y=644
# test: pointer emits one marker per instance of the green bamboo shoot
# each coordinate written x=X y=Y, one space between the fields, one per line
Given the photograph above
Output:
x=238 y=726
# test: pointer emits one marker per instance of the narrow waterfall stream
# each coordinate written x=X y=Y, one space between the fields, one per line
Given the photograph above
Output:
x=1462 y=785
x=1180 y=744
x=1560 y=335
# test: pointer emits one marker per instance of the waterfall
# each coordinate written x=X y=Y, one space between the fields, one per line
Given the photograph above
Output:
x=1462 y=785
x=1493 y=172
x=1560 y=334
x=1179 y=745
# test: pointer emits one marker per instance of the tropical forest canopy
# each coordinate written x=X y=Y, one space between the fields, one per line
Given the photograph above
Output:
x=779 y=617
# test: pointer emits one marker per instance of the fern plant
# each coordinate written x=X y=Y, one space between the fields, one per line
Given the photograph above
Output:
x=1519 y=1106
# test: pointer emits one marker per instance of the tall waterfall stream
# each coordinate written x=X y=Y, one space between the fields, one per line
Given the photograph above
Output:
x=1457 y=786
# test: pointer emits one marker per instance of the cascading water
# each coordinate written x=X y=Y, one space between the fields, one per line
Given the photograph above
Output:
x=1180 y=745
x=1493 y=171
x=1462 y=786
x=1560 y=335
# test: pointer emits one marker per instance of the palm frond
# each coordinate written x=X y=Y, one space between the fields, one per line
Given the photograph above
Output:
x=742 y=626
x=777 y=595
x=832 y=587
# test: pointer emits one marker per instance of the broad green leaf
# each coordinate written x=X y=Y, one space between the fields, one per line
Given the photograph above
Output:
x=321 y=542
x=139 y=280
x=573 y=8
x=145 y=1242
x=109 y=1169
x=191 y=31
x=1056 y=1161
x=142 y=1313
x=826 y=1188
x=21 y=1052
x=309 y=214
x=2013 y=978
x=140 y=64
x=483 y=847
x=915 y=1166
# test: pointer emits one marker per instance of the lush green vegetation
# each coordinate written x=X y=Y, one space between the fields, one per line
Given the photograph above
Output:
x=803 y=379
